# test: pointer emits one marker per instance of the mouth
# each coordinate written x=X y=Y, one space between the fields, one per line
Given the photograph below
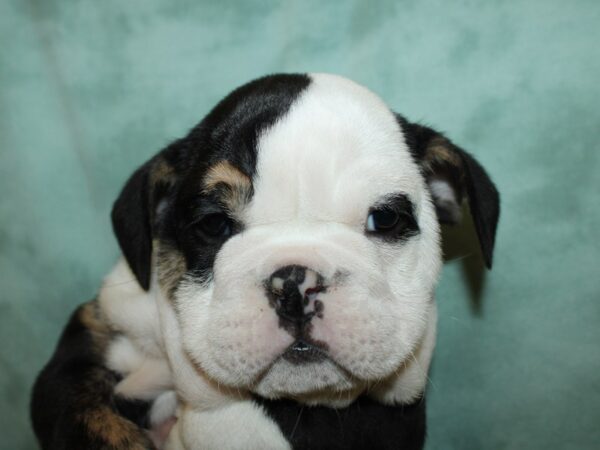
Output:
x=304 y=368
x=303 y=352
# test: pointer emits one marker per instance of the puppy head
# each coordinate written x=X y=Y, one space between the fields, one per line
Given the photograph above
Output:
x=295 y=232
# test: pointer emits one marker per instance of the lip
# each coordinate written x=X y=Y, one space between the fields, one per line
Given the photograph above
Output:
x=303 y=352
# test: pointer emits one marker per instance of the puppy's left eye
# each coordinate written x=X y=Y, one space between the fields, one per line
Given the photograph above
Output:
x=217 y=225
x=382 y=220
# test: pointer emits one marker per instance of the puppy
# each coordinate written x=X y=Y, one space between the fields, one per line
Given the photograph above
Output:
x=277 y=286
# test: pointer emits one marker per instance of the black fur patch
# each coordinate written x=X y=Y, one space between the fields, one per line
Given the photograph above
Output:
x=138 y=411
x=365 y=424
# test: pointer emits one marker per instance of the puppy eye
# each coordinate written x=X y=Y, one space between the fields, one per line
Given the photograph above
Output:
x=217 y=225
x=382 y=220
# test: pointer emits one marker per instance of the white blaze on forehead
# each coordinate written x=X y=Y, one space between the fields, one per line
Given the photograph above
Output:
x=336 y=152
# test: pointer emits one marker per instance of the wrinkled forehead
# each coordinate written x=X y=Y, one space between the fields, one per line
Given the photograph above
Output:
x=337 y=151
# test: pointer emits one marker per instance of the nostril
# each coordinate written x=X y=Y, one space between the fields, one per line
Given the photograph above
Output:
x=311 y=293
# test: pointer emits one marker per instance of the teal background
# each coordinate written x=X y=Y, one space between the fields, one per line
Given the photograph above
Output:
x=89 y=90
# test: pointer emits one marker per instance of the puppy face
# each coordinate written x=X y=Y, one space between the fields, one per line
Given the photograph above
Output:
x=294 y=232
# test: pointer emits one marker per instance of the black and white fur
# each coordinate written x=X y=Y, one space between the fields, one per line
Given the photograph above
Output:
x=299 y=324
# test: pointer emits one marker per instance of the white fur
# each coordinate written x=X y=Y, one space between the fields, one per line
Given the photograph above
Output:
x=131 y=309
x=408 y=383
x=236 y=426
x=163 y=408
x=445 y=196
x=146 y=377
x=441 y=190
x=137 y=353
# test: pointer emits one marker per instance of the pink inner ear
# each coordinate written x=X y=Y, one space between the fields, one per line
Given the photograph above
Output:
x=160 y=432
x=444 y=196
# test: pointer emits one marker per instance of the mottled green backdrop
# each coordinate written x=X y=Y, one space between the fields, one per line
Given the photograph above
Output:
x=90 y=89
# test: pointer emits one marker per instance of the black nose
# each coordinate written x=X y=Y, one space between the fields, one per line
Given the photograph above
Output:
x=291 y=291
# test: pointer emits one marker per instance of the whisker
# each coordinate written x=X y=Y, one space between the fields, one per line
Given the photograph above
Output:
x=120 y=283
x=297 y=422
x=459 y=258
x=427 y=377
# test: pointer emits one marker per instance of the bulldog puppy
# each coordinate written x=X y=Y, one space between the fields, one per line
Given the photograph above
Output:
x=277 y=287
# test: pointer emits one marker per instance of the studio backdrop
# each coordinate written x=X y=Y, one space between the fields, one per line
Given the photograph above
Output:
x=89 y=90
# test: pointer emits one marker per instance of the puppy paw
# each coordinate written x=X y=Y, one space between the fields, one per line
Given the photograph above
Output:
x=237 y=426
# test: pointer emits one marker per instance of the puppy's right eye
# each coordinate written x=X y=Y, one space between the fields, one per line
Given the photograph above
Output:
x=217 y=225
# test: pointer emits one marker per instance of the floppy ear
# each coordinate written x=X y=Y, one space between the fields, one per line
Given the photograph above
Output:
x=131 y=224
x=133 y=215
x=452 y=174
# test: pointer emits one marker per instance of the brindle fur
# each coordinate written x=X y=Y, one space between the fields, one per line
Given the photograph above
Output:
x=171 y=266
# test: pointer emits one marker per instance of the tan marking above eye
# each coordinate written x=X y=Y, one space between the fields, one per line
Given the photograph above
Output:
x=238 y=185
x=224 y=172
